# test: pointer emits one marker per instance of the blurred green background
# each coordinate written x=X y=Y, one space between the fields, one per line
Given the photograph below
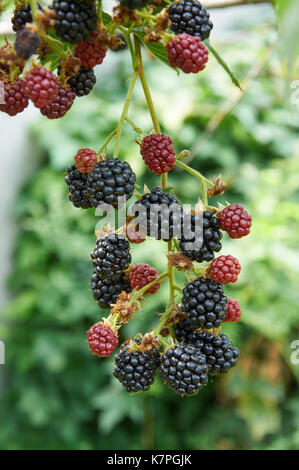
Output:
x=55 y=394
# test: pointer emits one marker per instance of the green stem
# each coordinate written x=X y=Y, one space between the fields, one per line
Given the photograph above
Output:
x=146 y=15
x=134 y=126
x=150 y=284
x=162 y=322
x=54 y=45
x=195 y=173
x=124 y=112
x=110 y=137
x=126 y=33
x=145 y=86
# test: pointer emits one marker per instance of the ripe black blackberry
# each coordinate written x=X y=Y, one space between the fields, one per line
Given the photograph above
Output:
x=163 y=222
x=105 y=291
x=220 y=353
x=135 y=369
x=184 y=368
x=189 y=16
x=204 y=303
x=112 y=181
x=111 y=256
x=79 y=194
x=134 y=4
x=21 y=16
x=75 y=19
x=210 y=235
x=182 y=329
x=82 y=83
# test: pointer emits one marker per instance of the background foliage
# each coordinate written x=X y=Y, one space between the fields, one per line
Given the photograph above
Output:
x=56 y=394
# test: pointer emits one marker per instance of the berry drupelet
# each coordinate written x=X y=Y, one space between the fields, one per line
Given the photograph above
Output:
x=102 y=339
x=142 y=274
x=204 y=303
x=85 y=160
x=184 y=369
x=21 y=16
x=82 y=83
x=191 y=17
x=136 y=369
x=225 y=269
x=158 y=153
x=79 y=194
x=111 y=256
x=220 y=354
x=111 y=181
x=60 y=106
x=15 y=99
x=188 y=53
x=235 y=220
x=210 y=236
x=159 y=213
x=41 y=86
x=74 y=19
x=106 y=291
x=182 y=329
x=233 y=311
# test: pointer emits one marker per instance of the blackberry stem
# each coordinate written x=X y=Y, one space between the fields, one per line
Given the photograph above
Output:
x=110 y=137
x=147 y=286
x=124 y=112
x=134 y=126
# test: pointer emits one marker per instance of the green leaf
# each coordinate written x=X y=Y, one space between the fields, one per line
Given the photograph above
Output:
x=157 y=49
x=106 y=18
x=224 y=65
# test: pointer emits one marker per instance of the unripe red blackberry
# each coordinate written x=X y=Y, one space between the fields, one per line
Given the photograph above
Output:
x=225 y=269
x=188 y=53
x=60 y=106
x=158 y=153
x=85 y=160
x=204 y=229
x=106 y=291
x=41 y=86
x=111 y=256
x=22 y=15
x=134 y=368
x=190 y=16
x=184 y=369
x=90 y=52
x=79 y=194
x=15 y=99
x=220 y=354
x=102 y=339
x=204 y=303
x=112 y=182
x=235 y=220
x=75 y=19
x=82 y=83
x=233 y=311
x=142 y=274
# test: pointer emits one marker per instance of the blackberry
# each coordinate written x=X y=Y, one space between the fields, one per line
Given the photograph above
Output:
x=105 y=291
x=162 y=221
x=27 y=42
x=75 y=19
x=233 y=311
x=184 y=368
x=112 y=181
x=189 y=16
x=60 y=106
x=188 y=53
x=235 y=220
x=102 y=339
x=82 y=83
x=225 y=269
x=111 y=256
x=134 y=4
x=220 y=354
x=15 y=98
x=142 y=274
x=41 y=86
x=135 y=369
x=210 y=236
x=79 y=194
x=204 y=303
x=85 y=160
x=182 y=329
x=158 y=153
x=90 y=52
x=21 y=16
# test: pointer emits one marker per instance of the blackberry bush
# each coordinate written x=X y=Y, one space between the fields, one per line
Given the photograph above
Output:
x=69 y=40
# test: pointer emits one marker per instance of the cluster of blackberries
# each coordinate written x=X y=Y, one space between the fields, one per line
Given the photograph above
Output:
x=107 y=182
